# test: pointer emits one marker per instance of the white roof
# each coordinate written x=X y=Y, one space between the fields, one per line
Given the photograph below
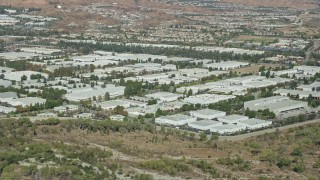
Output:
x=5 y=109
x=295 y=92
x=18 y=55
x=205 y=123
x=232 y=117
x=113 y=104
x=163 y=95
x=207 y=112
x=207 y=98
x=26 y=101
x=228 y=126
x=16 y=75
x=8 y=95
x=86 y=93
x=40 y=50
x=48 y=114
x=176 y=117
x=5 y=83
x=227 y=64
x=254 y=121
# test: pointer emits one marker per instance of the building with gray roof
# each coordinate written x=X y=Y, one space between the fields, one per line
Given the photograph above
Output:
x=255 y=123
x=204 y=125
x=227 y=129
x=28 y=101
x=232 y=119
x=8 y=95
x=276 y=104
x=175 y=120
x=207 y=114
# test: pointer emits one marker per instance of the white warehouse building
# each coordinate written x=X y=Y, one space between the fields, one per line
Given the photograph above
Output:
x=66 y=108
x=23 y=102
x=232 y=119
x=206 y=99
x=204 y=125
x=86 y=93
x=207 y=114
x=164 y=96
x=276 y=104
x=6 y=110
x=255 y=123
x=227 y=129
x=175 y=120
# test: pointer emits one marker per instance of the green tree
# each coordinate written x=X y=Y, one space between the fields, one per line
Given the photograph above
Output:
x=299 y=167
x=107 y=96
x=203 y=136
x=190 y=92
x=284 y=162
x=132 y=88
x=23 y=78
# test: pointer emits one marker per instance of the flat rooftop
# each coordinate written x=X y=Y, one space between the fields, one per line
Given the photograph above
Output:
x=232 y=117
x=207 y=111
x=205 y=123
x=254 y=121
x=277 y=105
x=8 y=95
x=228 y=126
x=159 y=95
x=294 y=92
x=176 y=117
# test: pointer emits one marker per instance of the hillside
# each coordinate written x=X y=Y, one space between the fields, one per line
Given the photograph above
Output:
x=84 y=14
x=80 y=149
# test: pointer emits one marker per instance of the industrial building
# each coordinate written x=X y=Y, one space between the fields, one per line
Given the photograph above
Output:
x=207 y=114
x=307 y=70
x=6 y=110
x=228 y=129
x=16 y=75
x=164 y=96
x=117 y=117
x=206 y=99
x=254 y=123
x=204 y=125
x=85 y=93
x=66 y=108
x=8 y=95
x=83 y=116
x=226 y=65
x=232 y=119
x=28 y=101
x=276 y=104
x=175 y=120
x=310 y=87
x=47 y=115
x=297 y=93
x=5 y=83
x=106 y=105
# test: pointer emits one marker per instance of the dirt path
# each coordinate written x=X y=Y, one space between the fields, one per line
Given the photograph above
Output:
x=121 y=156
x=117 y=155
